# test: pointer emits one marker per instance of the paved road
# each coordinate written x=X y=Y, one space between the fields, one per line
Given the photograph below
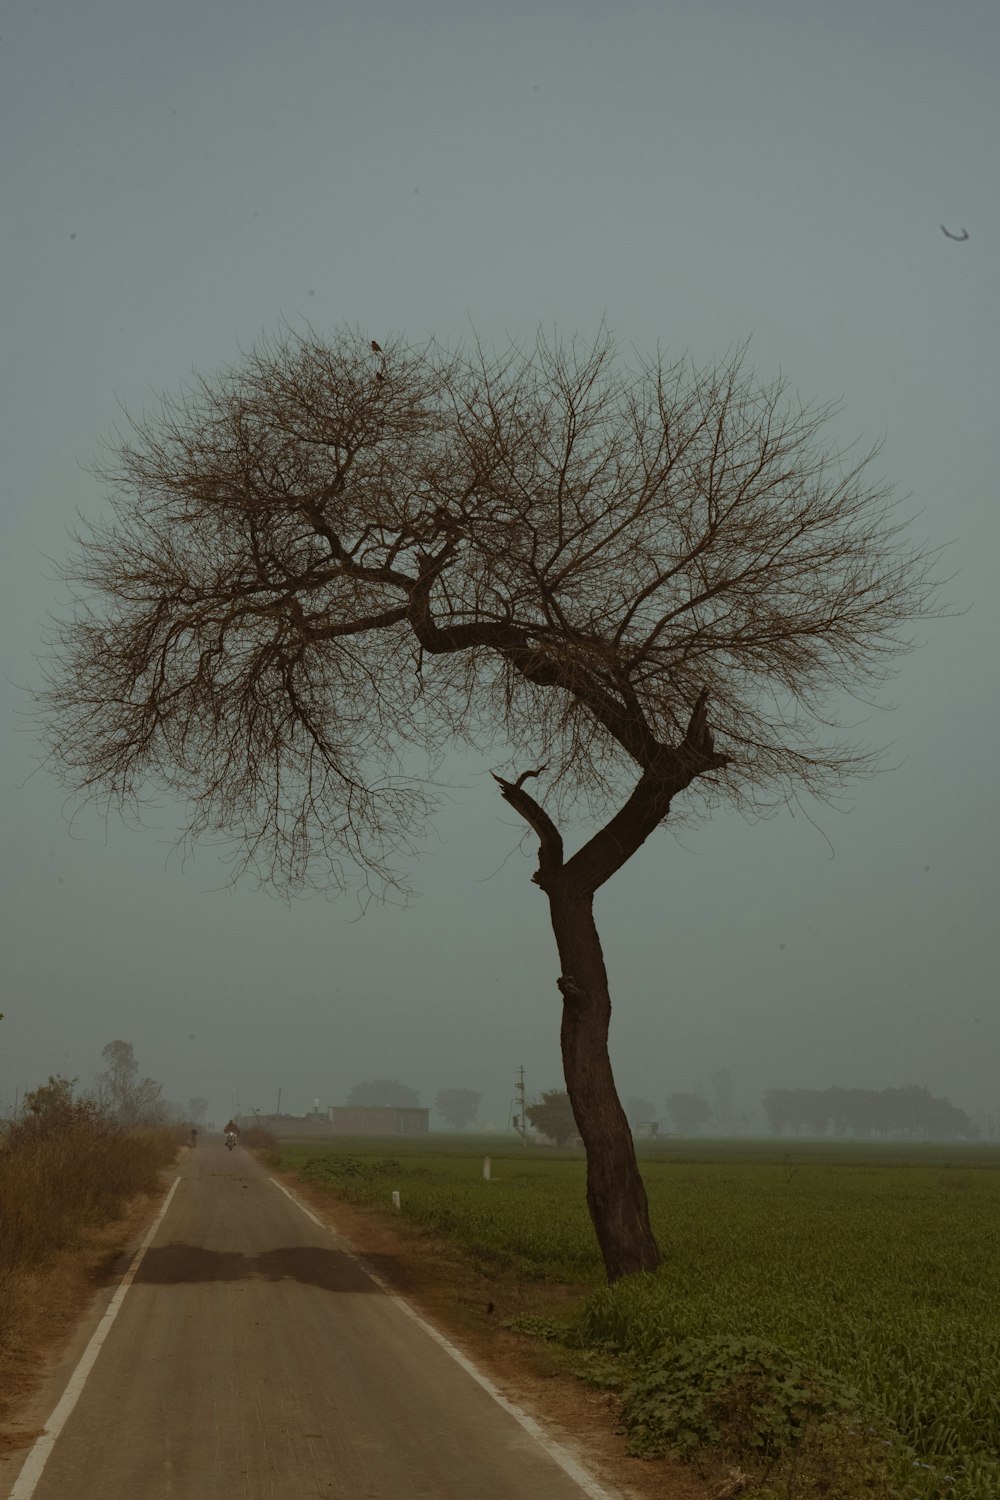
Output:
x=252 y=1357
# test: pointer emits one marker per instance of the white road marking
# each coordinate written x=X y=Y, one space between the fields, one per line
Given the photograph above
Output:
x=298 y=1202
x=560 y=1455
x=39 y=1455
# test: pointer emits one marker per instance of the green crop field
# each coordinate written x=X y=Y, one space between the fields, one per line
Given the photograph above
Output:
x=876 y=1263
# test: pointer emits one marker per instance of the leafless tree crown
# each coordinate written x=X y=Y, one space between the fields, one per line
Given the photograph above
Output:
x=325 y=560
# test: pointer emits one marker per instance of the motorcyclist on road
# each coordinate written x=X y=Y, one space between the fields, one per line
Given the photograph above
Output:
x=232 y=1129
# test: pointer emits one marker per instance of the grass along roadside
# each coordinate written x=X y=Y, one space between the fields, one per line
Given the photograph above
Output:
x=824 y=1316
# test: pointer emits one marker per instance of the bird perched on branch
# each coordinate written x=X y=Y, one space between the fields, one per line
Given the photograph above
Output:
x=376 y=348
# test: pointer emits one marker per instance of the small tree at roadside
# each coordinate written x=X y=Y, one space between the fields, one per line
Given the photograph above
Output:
x=50 y=1099
x=654 y=587
x=458 y=1106
x=51 y=1109
x=552 y=1115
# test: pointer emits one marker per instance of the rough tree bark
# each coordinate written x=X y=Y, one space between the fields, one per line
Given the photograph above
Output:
x=616 y=1194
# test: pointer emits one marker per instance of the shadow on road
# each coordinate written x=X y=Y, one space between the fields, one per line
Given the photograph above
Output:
x=180 y=1262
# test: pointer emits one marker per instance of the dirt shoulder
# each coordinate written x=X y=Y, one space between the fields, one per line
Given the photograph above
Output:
x=470 y=1308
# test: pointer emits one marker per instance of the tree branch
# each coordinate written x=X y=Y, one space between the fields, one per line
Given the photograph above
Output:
x=355 y=627
x=585 y=551
x=615 y=843
x=550 y=844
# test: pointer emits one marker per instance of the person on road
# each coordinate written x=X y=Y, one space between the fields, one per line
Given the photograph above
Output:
x=232 y=1129
x=194 y=1135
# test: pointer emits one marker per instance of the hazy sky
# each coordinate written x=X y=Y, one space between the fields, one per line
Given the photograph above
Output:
x=178 y=179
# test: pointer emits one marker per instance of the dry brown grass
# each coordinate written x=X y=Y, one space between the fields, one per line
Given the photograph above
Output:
x=63 y=1179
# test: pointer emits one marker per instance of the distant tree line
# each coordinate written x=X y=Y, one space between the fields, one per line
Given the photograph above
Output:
x=907 y=1111
x=688 y=1112
x=911 y=1110
x=458 y=1106
x=552 y=1115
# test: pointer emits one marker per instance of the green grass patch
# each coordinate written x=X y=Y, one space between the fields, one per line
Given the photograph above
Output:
x=507 y=1223
x=861 y=1276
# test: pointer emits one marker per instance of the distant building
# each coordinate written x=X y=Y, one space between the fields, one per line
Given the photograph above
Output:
x=646 y=1130
x=343 y=1120
x=290 y=1127
x=348 y=1119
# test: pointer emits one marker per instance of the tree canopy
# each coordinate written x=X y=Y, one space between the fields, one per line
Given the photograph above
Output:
x=552 y=1115
x=688 y=1111
x=458 y=1106
x=910 y=1110
x=336 y=561
x=326 y=559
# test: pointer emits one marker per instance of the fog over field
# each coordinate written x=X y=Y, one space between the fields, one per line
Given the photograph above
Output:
x=179 y=180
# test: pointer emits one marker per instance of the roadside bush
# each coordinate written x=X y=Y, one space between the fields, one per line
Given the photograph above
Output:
x=65 y=1169
x=55 y=1187
x=751 y=1398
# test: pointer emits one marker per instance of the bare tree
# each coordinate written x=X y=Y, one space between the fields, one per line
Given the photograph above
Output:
x=646 y=581
x=122 y=1094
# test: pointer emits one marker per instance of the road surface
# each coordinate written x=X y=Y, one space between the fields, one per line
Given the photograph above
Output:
x=252 y=1358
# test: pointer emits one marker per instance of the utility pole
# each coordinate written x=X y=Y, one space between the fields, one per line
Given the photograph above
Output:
x=520 y=1119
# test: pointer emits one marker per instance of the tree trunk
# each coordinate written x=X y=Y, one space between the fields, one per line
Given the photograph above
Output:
x=616 y=1194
